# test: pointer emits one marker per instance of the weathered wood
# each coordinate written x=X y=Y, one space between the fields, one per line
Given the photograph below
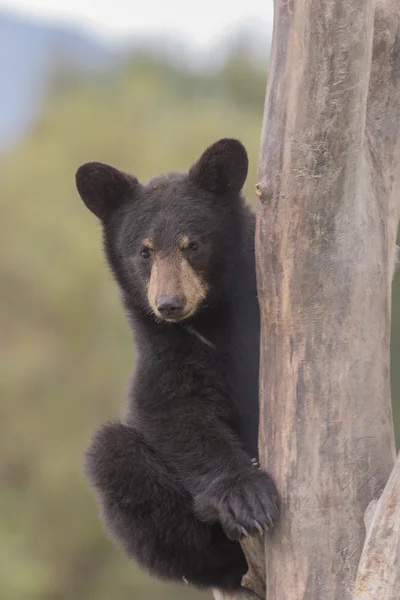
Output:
x=243 y=594
x=396 y=259
x=383 y=120
x=369 y=513
x=329 y=189
x=254 y=580
x=378 y=576
x=328 y=214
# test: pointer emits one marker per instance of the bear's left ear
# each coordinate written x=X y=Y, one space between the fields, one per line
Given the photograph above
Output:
x=103 y=188
x=222 y=168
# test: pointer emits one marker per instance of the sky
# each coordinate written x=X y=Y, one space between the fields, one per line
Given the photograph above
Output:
x=199 y=22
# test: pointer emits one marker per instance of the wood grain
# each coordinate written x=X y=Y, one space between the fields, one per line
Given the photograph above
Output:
x=378 y=576
x=329 y=201
x=328 y=212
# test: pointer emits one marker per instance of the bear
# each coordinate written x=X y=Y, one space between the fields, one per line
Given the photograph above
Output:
x=176 y=479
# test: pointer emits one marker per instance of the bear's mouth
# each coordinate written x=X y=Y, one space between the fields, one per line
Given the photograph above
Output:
x=178 y=317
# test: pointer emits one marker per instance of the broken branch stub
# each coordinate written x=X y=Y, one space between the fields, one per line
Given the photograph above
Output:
x=378 y=576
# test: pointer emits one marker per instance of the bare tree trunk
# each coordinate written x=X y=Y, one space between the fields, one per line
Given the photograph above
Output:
x=329 y=189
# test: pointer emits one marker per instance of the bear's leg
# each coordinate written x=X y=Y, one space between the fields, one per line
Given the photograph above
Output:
x=151 y=515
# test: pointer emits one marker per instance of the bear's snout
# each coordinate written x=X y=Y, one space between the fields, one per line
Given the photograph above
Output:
x=171 y=307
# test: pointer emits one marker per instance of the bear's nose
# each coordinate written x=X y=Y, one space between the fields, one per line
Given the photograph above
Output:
x=171 y=307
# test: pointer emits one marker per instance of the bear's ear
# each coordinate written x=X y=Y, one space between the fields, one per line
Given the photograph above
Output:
x=222 y=168
x=102 y=187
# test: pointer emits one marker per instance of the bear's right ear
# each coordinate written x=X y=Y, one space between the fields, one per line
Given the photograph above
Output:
x=103 y=187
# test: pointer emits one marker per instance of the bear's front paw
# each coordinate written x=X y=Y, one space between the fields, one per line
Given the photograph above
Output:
x=245 y=504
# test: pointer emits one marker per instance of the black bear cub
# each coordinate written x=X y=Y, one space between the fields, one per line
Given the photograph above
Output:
x=175 y=480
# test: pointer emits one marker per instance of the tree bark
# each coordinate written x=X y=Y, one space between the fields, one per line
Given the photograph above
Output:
x=329 y=200
x=328 y=217
x=379 y=569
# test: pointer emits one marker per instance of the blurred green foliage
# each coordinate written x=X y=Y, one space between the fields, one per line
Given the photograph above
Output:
x=66 y=351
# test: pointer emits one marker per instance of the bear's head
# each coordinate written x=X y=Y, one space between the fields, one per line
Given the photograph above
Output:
x=172 y=242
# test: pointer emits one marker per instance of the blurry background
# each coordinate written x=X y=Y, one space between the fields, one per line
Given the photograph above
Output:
x=145 y=86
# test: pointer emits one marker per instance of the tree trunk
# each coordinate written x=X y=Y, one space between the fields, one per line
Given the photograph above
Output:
x=329 y=192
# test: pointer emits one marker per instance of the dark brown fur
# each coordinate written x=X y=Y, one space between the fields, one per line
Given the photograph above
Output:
x=175 y=480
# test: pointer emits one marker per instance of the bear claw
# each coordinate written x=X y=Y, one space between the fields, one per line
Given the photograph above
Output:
x=246 y=504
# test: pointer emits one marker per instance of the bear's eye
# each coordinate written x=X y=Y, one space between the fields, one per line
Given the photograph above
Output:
x=145 y=252
x=193 y=247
